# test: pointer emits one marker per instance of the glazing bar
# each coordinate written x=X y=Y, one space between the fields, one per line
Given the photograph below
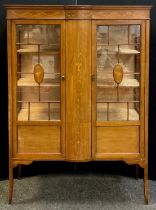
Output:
x=127 y=110
x=108 y=111
x=28 y=110
x=48 y=110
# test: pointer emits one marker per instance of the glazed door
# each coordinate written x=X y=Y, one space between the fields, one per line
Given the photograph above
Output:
x=118 y=89
x=78 y=90
x=38 y=65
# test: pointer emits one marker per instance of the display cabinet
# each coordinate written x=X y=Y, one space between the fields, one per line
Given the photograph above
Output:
x=78 y=84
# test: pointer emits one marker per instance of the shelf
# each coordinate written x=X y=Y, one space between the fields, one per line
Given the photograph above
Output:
x=122 y=51
x=128 y=51
x=116 y=114
x=124 y=44
x=38 y=114
x=29 y=82
x=34 y=44
x=31 y=73
x=129 y=83
x=125 y=72
x=118 y=102
x=34 y=102
x=47 y=51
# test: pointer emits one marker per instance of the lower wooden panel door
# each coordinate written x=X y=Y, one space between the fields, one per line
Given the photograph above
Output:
x=78 y=90
x=116 y=142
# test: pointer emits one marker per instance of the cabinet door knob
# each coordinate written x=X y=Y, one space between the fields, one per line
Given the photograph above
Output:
x=62 y=77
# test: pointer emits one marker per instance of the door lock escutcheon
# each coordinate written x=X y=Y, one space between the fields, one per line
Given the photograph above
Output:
x=63 y=77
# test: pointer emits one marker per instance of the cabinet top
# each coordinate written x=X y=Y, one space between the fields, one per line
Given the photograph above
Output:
x=25 y=11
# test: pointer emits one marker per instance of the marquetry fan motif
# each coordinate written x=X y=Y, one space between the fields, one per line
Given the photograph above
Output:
x=38 y=73
x=118 y=73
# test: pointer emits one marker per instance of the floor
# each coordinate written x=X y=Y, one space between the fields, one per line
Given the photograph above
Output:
x=78 y=191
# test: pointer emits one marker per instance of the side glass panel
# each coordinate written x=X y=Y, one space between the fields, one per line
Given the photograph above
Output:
x=118 y=72
x=38 y=72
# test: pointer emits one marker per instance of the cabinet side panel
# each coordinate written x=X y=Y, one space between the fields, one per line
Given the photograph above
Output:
x=147 y=89
x=10 y=120
x=78 y=90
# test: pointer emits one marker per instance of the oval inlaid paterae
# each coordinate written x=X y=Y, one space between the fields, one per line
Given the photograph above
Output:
x=38 y=73
x=118 y=73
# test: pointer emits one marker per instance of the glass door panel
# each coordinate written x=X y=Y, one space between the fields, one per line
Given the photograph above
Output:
x=118 y=72
x=38 y=72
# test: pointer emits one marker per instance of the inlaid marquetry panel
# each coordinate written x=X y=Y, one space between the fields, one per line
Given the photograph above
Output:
x=120 y=14
x=78 y=90
x=82 y=12
x=35 y=14
x=118 y=73
x=38 y=73
x=78 y=14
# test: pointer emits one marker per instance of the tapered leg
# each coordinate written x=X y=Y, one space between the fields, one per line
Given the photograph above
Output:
x=11 y=182
x=146 y=184
x=19 y=171
x=137 y=171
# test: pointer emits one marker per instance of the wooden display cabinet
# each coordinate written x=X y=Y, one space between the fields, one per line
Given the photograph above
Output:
x=78 y=84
